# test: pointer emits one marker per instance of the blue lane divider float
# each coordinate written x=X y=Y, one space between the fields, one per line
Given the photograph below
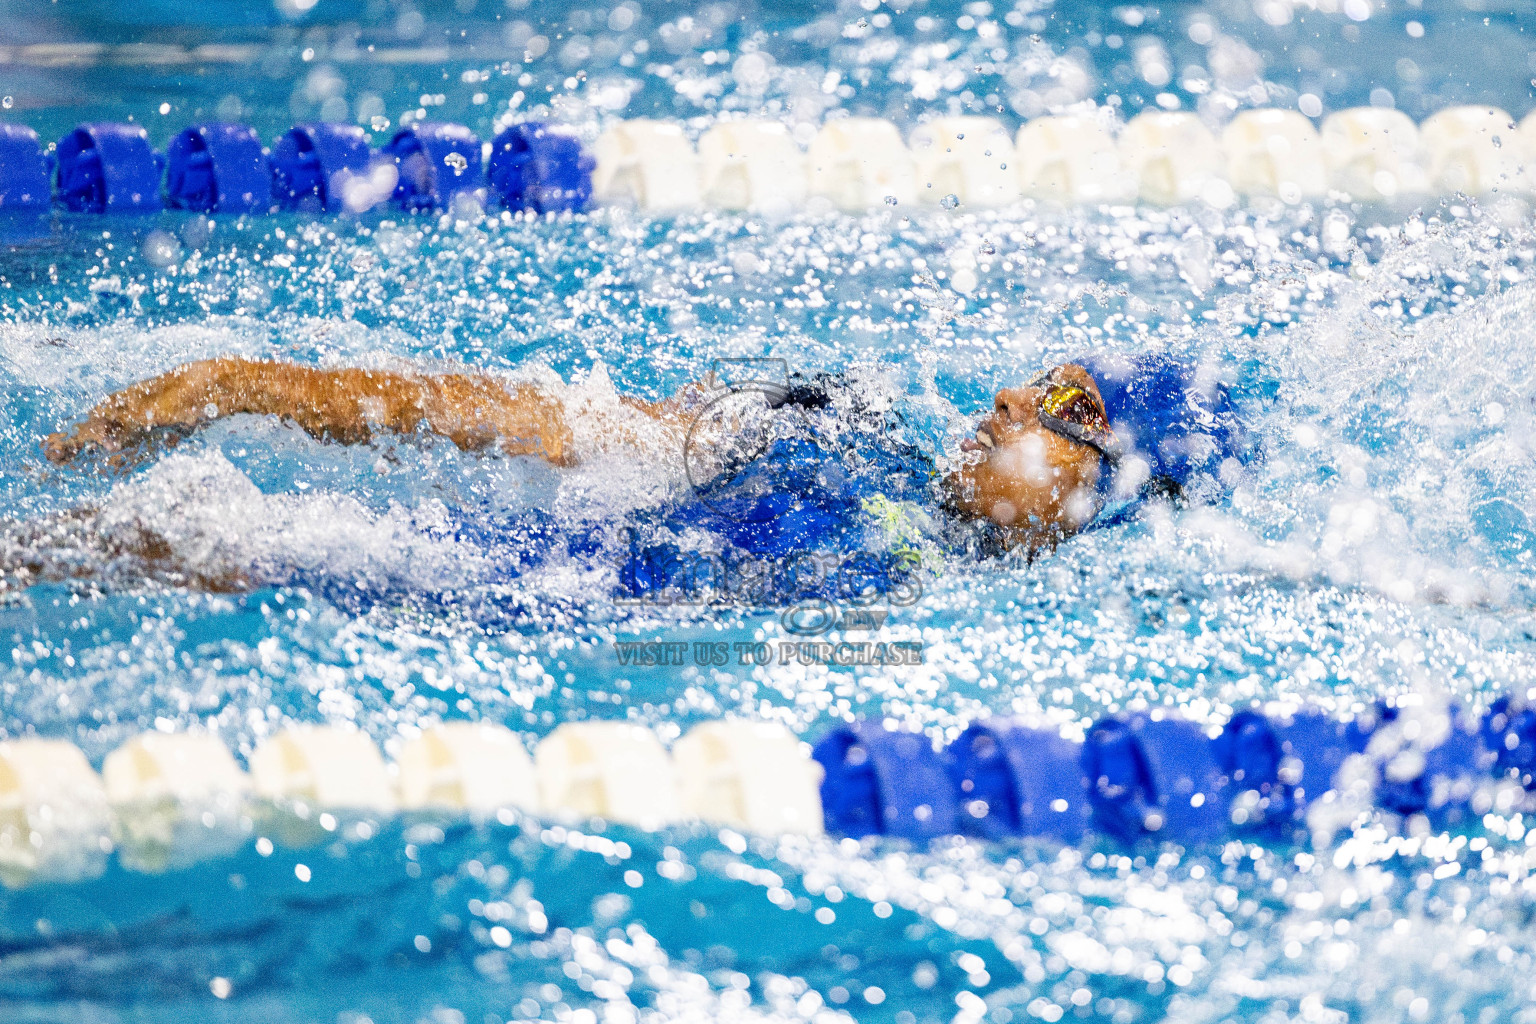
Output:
x=312 y=165
x=1014 y=780
x=23 y=173
x=1155 y=776
x=436 y=162
x=880 y=782
x=108 y=168
x=1277 y=767
x=1510 y=733
x=222 y=168
x=218 y=168
x=540 y=167
x=1437 y=781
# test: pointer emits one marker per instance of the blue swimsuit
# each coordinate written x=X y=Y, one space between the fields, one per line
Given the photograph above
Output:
x=797 y=520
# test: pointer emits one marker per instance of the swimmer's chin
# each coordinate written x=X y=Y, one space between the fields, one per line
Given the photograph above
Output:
x=1019 y=524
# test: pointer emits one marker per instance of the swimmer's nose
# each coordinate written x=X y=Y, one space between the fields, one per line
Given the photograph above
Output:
x=1012 y=404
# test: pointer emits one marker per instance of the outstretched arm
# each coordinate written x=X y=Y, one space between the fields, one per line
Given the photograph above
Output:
x=345 y=405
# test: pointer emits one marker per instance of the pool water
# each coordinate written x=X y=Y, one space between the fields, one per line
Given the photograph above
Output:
x=1380 y=544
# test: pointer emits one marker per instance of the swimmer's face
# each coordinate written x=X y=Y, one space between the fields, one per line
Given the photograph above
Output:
x=1032 y=481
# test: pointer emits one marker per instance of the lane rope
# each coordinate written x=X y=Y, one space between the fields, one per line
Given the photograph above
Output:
x=164 y=800
x=855 y=164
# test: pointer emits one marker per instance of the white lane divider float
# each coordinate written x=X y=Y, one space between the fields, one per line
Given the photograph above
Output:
x=55 y=823
x=1373 y=153
x=1525 y=139
x=970 y=158
x=1275 y=153
x=1475 y=150
x=308 y=771
x=1069 y=159
x=325 y=766
x=1173 y=158
x=754 y=776
x=859 y=163
x=613 y=770
x=648 y=164
x=752 y=165
x=176 y=798
x=466 y=766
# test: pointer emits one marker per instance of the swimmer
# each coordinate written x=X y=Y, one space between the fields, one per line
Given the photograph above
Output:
x=1033 y=468
x=814 y=490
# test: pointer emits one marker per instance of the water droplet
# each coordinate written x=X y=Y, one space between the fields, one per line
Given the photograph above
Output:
x=987 y=248
x=890 y=200
x=950 y=201
x=161 y=248
x=7 y=103
x=959 y=135
x=1498 y=143
x=863 y=23
x=379 y=122
x=457 y=161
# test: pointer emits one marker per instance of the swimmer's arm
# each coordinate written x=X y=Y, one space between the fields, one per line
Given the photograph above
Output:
x=681 y=408
x=344 y=405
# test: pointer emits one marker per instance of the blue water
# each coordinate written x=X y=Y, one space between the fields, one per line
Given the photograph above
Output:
x=1381 y=544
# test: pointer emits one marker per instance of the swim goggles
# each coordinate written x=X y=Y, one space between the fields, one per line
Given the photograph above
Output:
x=1074 y=413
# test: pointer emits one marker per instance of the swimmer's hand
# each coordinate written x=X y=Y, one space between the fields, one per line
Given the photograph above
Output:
x=343 y=405
x=131 y=416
